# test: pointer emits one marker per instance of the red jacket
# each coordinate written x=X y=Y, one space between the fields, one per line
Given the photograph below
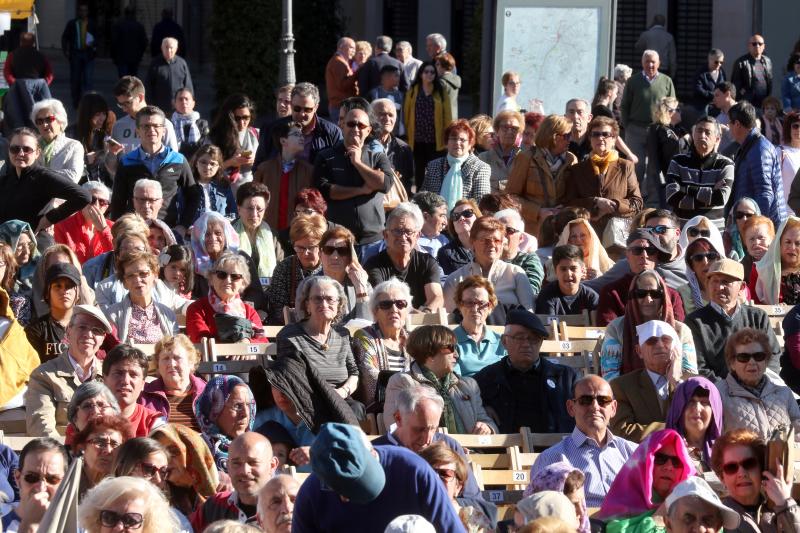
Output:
x=72 y=231
x=200 y=321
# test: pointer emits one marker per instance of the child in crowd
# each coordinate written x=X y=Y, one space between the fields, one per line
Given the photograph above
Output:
x=216 y=192
x=567 y=295
x=176 y=269
x=190 y=129
x=757 y=234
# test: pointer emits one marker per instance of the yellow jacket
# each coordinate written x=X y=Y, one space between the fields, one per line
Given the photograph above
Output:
x=442 y=115
x=17 y=357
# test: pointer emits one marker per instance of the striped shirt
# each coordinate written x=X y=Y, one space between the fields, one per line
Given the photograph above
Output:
x=599 y=464
x=333 y=360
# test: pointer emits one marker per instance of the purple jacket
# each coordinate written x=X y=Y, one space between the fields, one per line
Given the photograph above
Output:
x=154 y=395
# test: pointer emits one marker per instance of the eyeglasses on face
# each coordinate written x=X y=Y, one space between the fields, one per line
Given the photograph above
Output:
x=105 y=442
x=145 y=200
x=586 y=400
x=751 y=463
x=305 y=249
x=706 y=256
x=94 y=330
x=652 y=341
x=35 y=477
x=639 y=250
x=128 y=520
x=356 y=124
x=660 y=229
x=319 y=299
x=102 y=202
x=660 y=459
x=466 y=213
x=655 y=294
x=150 y=470
x=475 y=303
x=401 y=232
x=745 y=357
x=241 y=118
x=698 y=232
x=385 y=305
x=741 y=214
x=222 y=276
x=602 y=134
x=150 y=126
x=757 y=43
x=343 y=251
x=301 y=109
x=17 y=148
x=45 y=120
x=142 y=274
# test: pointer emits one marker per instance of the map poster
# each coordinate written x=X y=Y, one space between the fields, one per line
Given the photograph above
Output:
x=559 y=48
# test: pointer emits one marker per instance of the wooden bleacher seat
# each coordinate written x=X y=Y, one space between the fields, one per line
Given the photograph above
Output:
x=583 y=319
x=581 y=355
x=299 y=476
x=501 y=440
x=17 y=442
x=13 y=421
x=272 y=331
x=235 y=358
x=566 y=333
x=510 y=479
x=436 y=318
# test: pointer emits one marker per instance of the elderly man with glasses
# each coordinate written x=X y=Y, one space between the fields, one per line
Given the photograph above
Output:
x=591 y=447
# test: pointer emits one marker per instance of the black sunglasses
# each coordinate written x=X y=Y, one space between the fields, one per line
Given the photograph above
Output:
x=466 y=213
x=586 y=400
x=710 y=256
x=750 y=463
x=697 y=232
x=655 y=294
x=388 y=304
x=739 y=215
x=222 y=275
x=639 y=250
x=745 y=357
x=15 y=149
x=34 y=477
x=661 y=459
x=128 y=520
x=343 y=251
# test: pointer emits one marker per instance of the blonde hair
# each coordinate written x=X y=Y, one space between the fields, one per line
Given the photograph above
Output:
x=180 y=340
x=660 y=113
x=551 y=126
x=157 y=515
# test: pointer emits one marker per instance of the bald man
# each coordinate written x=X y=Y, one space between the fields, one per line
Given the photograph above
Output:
x=276 y=504
x=591 y=447
x=250 y=466
x=340 y=80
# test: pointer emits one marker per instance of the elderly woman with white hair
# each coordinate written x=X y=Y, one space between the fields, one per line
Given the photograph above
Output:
x=320 y=304
x=62 y=155
x=379 y=348
x=88 y=232
x=126 y=504
x=512 y=248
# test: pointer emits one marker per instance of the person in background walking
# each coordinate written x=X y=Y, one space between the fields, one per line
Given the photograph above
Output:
x=78 y=42
x=128 y=43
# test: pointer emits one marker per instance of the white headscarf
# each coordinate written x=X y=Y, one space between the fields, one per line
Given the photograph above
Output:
x=597 y=257
x=768 y=286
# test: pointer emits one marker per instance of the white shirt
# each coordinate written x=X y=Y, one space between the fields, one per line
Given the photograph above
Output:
x=661 y=384
x=124 y=132
x=82 y=376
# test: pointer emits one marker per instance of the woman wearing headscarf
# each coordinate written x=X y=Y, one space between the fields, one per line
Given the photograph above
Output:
x=212 y=235
x=225 y=410
x=20 y=237
x=740 y=212
x=702 y=244
x=565 y=478
x=777 y=276
x=647 y=302
x=696 y=413
x=581 y=233
x=635 y=500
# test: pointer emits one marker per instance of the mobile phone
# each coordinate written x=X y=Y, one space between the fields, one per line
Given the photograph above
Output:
x=111 y=140
x=246 y=153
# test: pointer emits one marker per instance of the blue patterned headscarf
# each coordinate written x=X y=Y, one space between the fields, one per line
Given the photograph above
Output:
x=202 y=261
x=10 y=232
x=208 y=408
x=738 y=249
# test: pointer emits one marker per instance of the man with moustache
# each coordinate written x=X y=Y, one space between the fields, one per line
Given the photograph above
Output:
x=276 y=504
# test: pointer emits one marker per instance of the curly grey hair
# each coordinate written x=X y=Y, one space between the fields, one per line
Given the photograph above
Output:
x=239 y=261
x=86 y=391
x=305 y=288
x=52 y=105
x=97 y=187
x=391 y=284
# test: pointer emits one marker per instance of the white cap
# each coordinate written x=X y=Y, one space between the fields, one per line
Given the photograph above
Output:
x=409 y=523
x=697 y=487
x=656 y=328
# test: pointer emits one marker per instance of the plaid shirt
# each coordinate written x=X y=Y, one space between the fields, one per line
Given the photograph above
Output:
x=475 y=173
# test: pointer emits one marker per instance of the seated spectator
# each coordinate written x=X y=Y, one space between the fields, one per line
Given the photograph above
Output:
x=591 y=443
x=433 y=351
x=644 y=395
x=211 y=184
x=477 y=345
x=498 y=201
x=566 y=295
x=762 y=499
x=308 y=201
x=147 y=459
x=193 y=477
x=176 y=360
x=696 y=414
x=127 y=501
x=177 y=269
x=713 y=324
x=91 y=399
x=20 y=302
x=640 y=490
x=138 y=317
x=434 y=214
x=256 y=237
x=340 y=262
x=511 y=285
x=528 y=261
x=46 y=332
x=98 y=443
x=318 y=338
x=777 y=276
x=485 y=136
x=402 y=260
x=282 y=443
x=212 y=236
x=99 y=268
x=602 y=182
x=507 y=124
x=38 y=474
x=758 y=232
x=535 y=173
x=644 y=252
x=646 y=302
x=251 y=465
x=565 y=478
x=305 y=233
x=547 y=504
x=523 y=389
x=225 y=410
x=452 y=470
x=381 y=347
x=740 y=211
x=692 y=503
x=753 y=398
x=88 y=231
x=62 y=155
x=459 y=174
x=240 y=322
x=124 y=370
x=368 y=486
x=53 y=383
x=276 y=503
x=458 y=252
x=699 y=182
x=20 y=237
x=701 y=252
x=580 y=233
x=57 y=253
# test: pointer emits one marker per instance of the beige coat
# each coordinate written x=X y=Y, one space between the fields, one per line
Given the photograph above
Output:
x=50 y=390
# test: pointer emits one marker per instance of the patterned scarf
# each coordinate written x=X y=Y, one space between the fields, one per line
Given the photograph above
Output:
x=453 y=183
x=450 y=418
x=48 y=151
x=234 y=306
x=554 y=161
x=600 y=163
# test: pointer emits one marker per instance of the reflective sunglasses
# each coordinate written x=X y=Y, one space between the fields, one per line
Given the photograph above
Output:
x=15 y=149
x=150 y=470
x=241 y=118
x=697 y=232
x=35 y=477
x=709 y=256
x=655 y=294
x=751 y=463
x=222 y=275
x=343 y=251
x=475 y=303
x=586 y=400
x=661 y=229
x=639 y=250
x=660 y=459
x=744 y=357
x=45 y=120
x=128 y=520
x=388 y=304
x=466 y=213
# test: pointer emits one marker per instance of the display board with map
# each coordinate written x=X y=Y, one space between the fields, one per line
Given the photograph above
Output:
x=559 y=48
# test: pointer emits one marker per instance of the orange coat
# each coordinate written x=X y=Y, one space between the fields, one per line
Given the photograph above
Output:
x=340 y=80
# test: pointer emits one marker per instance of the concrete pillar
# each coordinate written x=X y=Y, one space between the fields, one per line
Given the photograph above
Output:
x=733 y=20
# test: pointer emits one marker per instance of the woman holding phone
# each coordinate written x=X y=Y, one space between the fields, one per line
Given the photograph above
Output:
x=233 y=133
x=340 y=262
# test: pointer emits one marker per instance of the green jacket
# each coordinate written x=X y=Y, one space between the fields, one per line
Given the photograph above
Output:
x=529 y=262
x=640 y=97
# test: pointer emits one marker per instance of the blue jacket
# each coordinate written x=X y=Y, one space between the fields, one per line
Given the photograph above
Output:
x=790 y=91
x=326 y=134
x=221 y=199
x=757 y=175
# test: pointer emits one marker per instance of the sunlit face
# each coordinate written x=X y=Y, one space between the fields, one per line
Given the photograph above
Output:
x=602 y=139
x=323 y=302
x=85 y=334
x=435 y=222
x=139 y=280
x=488 y=245
x=47 y=124
x=361 y=56
x=697 y=414
x=24 y=249
x=214 y=239
x=650 y=306
x=443 y=362
x=207 y=167
x=123 y=506
x=251 y=466
x=401 y=235
x=154 y=468
x=569 y=273
x=523 y=346
x=100 y=450
x=304 y=108
x=458 y=143
x=528 y=135
x=641 y=255
x=126 y=381
x=176 y=275
x=92 y=408
x=393 y=318
x=42 y=472
x=174 y=368
x=156 y=239
x=724 y=290
x=447 y=473
x=252 y=211
x=147 y=202
x=307 y=251
x=666 y=476
x=242 y=116
x=168 y=49
x=795 y=127
x=756 y=46
x=656 y=352
x=184 y=102
x=347 y=48
x=757 y=239
x=416 y=430
x=335 y=263
x=234 y=419
x=513 y=85
x=475 y=305
x=150 y=130
x=98 y=120
x=386 y=115
x=578 y=113
x=63 y=294
x=744 y=484
x=790 y=248
x=356 y=128
x=705 y=138
x=223 y=282
x=508 y=130
x=700 y=256
x=751 y=371
x=715 y=62
x=650 y=64
x=461 y=222
x=283 y=104
x=401 y=53
x=276 y=503
x=487 y=139
x=743 y=211
x=579 y=236
x=593 y=417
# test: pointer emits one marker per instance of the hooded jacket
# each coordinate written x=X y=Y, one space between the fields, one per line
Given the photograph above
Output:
x=18 y=359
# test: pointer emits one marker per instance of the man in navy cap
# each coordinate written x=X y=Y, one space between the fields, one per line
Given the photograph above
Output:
x=358 y=487
x=522 y=389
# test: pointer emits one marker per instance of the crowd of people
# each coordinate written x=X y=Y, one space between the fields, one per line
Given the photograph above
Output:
x=161 y=228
